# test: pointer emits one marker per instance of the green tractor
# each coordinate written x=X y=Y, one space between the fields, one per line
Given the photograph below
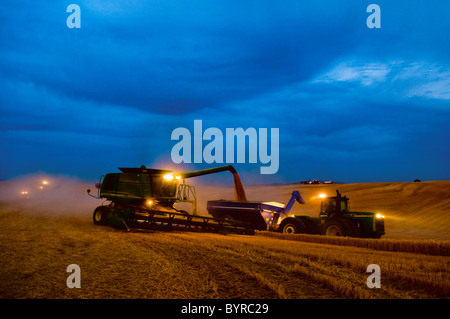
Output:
x=336 y=219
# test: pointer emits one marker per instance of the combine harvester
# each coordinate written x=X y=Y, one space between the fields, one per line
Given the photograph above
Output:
x=145 y=198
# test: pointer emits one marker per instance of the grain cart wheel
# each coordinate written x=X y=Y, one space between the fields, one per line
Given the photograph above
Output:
x=293 y=226
x=337 y=227
x=100 y=215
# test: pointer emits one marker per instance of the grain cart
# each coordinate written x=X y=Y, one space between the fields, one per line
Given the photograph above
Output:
x=145 y=198
x=335 y=219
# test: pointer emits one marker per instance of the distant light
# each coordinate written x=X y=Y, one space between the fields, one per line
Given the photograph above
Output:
x=24 y=193
x=44 y=182
x=379 y=215
x=149 y=202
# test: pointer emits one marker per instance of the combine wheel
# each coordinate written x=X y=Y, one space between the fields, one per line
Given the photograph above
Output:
x=293 y=226
x=100 y=215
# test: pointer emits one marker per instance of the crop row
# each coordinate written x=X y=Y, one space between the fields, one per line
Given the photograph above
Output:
x=427 y=247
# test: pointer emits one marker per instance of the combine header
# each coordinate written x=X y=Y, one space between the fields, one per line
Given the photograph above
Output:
x=144 y=198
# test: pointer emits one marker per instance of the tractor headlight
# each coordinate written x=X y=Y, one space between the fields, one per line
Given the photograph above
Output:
x=379 y=216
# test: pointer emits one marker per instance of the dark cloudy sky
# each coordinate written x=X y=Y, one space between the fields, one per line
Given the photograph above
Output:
x=351 y=103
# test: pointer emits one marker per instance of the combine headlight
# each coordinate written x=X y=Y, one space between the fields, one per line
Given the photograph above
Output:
x=379 y=216
x=168 y=177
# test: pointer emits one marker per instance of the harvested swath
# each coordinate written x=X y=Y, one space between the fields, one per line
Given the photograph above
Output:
x=426 y=247
x=340 y=269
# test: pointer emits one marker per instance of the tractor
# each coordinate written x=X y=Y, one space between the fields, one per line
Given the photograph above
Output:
x=336 y=219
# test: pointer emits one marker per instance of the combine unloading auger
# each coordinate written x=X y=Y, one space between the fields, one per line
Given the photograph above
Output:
x=238 y=187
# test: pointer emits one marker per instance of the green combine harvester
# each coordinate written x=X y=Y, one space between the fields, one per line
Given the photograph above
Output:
x=144 y=198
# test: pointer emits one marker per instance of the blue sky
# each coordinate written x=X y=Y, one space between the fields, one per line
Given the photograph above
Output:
x=352 y=104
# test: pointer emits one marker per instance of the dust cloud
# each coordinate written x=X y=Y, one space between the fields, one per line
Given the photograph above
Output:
x=42 y=194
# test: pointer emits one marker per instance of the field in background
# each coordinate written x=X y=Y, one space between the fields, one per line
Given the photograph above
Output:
x=43 y=235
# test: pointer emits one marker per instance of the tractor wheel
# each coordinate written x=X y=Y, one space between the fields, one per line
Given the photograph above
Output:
x=293 y=226
x=338 y=227
x=100 y=215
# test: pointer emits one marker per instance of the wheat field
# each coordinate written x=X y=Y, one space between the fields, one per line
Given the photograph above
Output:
x=38 y=242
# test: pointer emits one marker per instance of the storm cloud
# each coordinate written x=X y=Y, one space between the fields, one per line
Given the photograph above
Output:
x=351 y=103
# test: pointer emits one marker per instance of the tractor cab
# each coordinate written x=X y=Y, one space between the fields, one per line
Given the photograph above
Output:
x=335 y=206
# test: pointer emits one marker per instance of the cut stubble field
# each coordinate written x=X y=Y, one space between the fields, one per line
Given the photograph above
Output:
x=36 y=248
